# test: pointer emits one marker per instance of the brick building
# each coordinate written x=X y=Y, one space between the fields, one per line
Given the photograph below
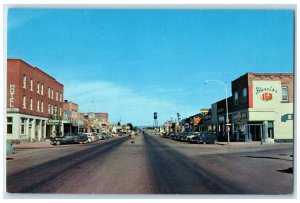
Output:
x=102 y=118
x=260 y=108
x=34 y=102
x=71 y=116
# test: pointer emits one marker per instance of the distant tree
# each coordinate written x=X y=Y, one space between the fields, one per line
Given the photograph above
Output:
x=130 y=126
x=119 y=123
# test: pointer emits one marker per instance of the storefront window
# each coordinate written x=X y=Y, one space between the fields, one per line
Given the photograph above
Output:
x=23 y=126
x=9 y=125
x=270 y=129
x=43 y=132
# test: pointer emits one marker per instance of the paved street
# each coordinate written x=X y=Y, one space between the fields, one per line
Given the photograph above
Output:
x=153 y=165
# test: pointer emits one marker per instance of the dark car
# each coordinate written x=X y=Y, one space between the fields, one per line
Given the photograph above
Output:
x=69 y=138
x=173 y=135
x=204 y=138
x=182 y=136
x=166 y=134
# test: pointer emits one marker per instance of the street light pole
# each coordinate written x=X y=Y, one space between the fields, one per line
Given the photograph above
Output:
x=227 y=118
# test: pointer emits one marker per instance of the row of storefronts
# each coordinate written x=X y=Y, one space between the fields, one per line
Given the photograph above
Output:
x=36 y=109
x=260 y=109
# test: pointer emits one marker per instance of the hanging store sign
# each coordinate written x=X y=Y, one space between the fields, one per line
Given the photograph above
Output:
x=53 y=122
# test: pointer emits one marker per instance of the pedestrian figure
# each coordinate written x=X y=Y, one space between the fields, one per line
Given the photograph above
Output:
x=132 y=136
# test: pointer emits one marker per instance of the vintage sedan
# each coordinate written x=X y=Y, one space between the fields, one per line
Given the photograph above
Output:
x=69 y=138
x=205 y=137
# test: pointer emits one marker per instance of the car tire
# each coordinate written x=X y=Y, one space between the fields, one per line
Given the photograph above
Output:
x=58 y=142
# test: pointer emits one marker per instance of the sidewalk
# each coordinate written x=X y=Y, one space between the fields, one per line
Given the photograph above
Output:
x=240 y=144
x=33 y=145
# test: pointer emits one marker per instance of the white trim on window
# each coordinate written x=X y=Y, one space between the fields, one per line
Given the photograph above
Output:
x=24 y=102
x=285 y=94
x=31 y=104
x=24 y=81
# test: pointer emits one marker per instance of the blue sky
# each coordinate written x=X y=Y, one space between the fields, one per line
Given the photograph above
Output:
x=131 y=63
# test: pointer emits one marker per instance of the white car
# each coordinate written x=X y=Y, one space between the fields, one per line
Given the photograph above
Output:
x=190 y=136
x=90 y=137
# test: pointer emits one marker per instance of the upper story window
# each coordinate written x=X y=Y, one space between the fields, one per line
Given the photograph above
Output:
x=49 y=108
x=38 y=88
x=236 y=98
x=49 y=92
x=245 y=96
x=285 y=93
x=31 y=84
x=52 y=94
x=55 y=111
x=42 y=89
x=60 y=97
x=24 y=81
x=31 y=104
x=56 y=96
x=38 y=106
x=42 y=106
x=24 y=102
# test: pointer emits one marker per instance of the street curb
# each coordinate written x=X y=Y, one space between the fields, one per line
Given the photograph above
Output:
x=239 y=144
x=32 y=146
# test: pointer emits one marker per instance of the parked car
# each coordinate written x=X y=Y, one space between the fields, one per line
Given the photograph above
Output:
x=90 y=137
x=166 y=134
x=182 y=136
x=94 y=137
x=190 y=136
x=177 y=136
x=9 y=149
x=69 y=138
x=105 y=136
x=173 y=135
x=204 y=138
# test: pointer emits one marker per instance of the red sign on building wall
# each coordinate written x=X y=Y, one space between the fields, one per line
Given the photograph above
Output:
x=267 y=96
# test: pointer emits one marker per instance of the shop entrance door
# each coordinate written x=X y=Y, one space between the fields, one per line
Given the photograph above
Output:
x=254 y=132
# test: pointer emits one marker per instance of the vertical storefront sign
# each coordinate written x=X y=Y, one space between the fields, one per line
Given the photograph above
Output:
x=12 y=88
